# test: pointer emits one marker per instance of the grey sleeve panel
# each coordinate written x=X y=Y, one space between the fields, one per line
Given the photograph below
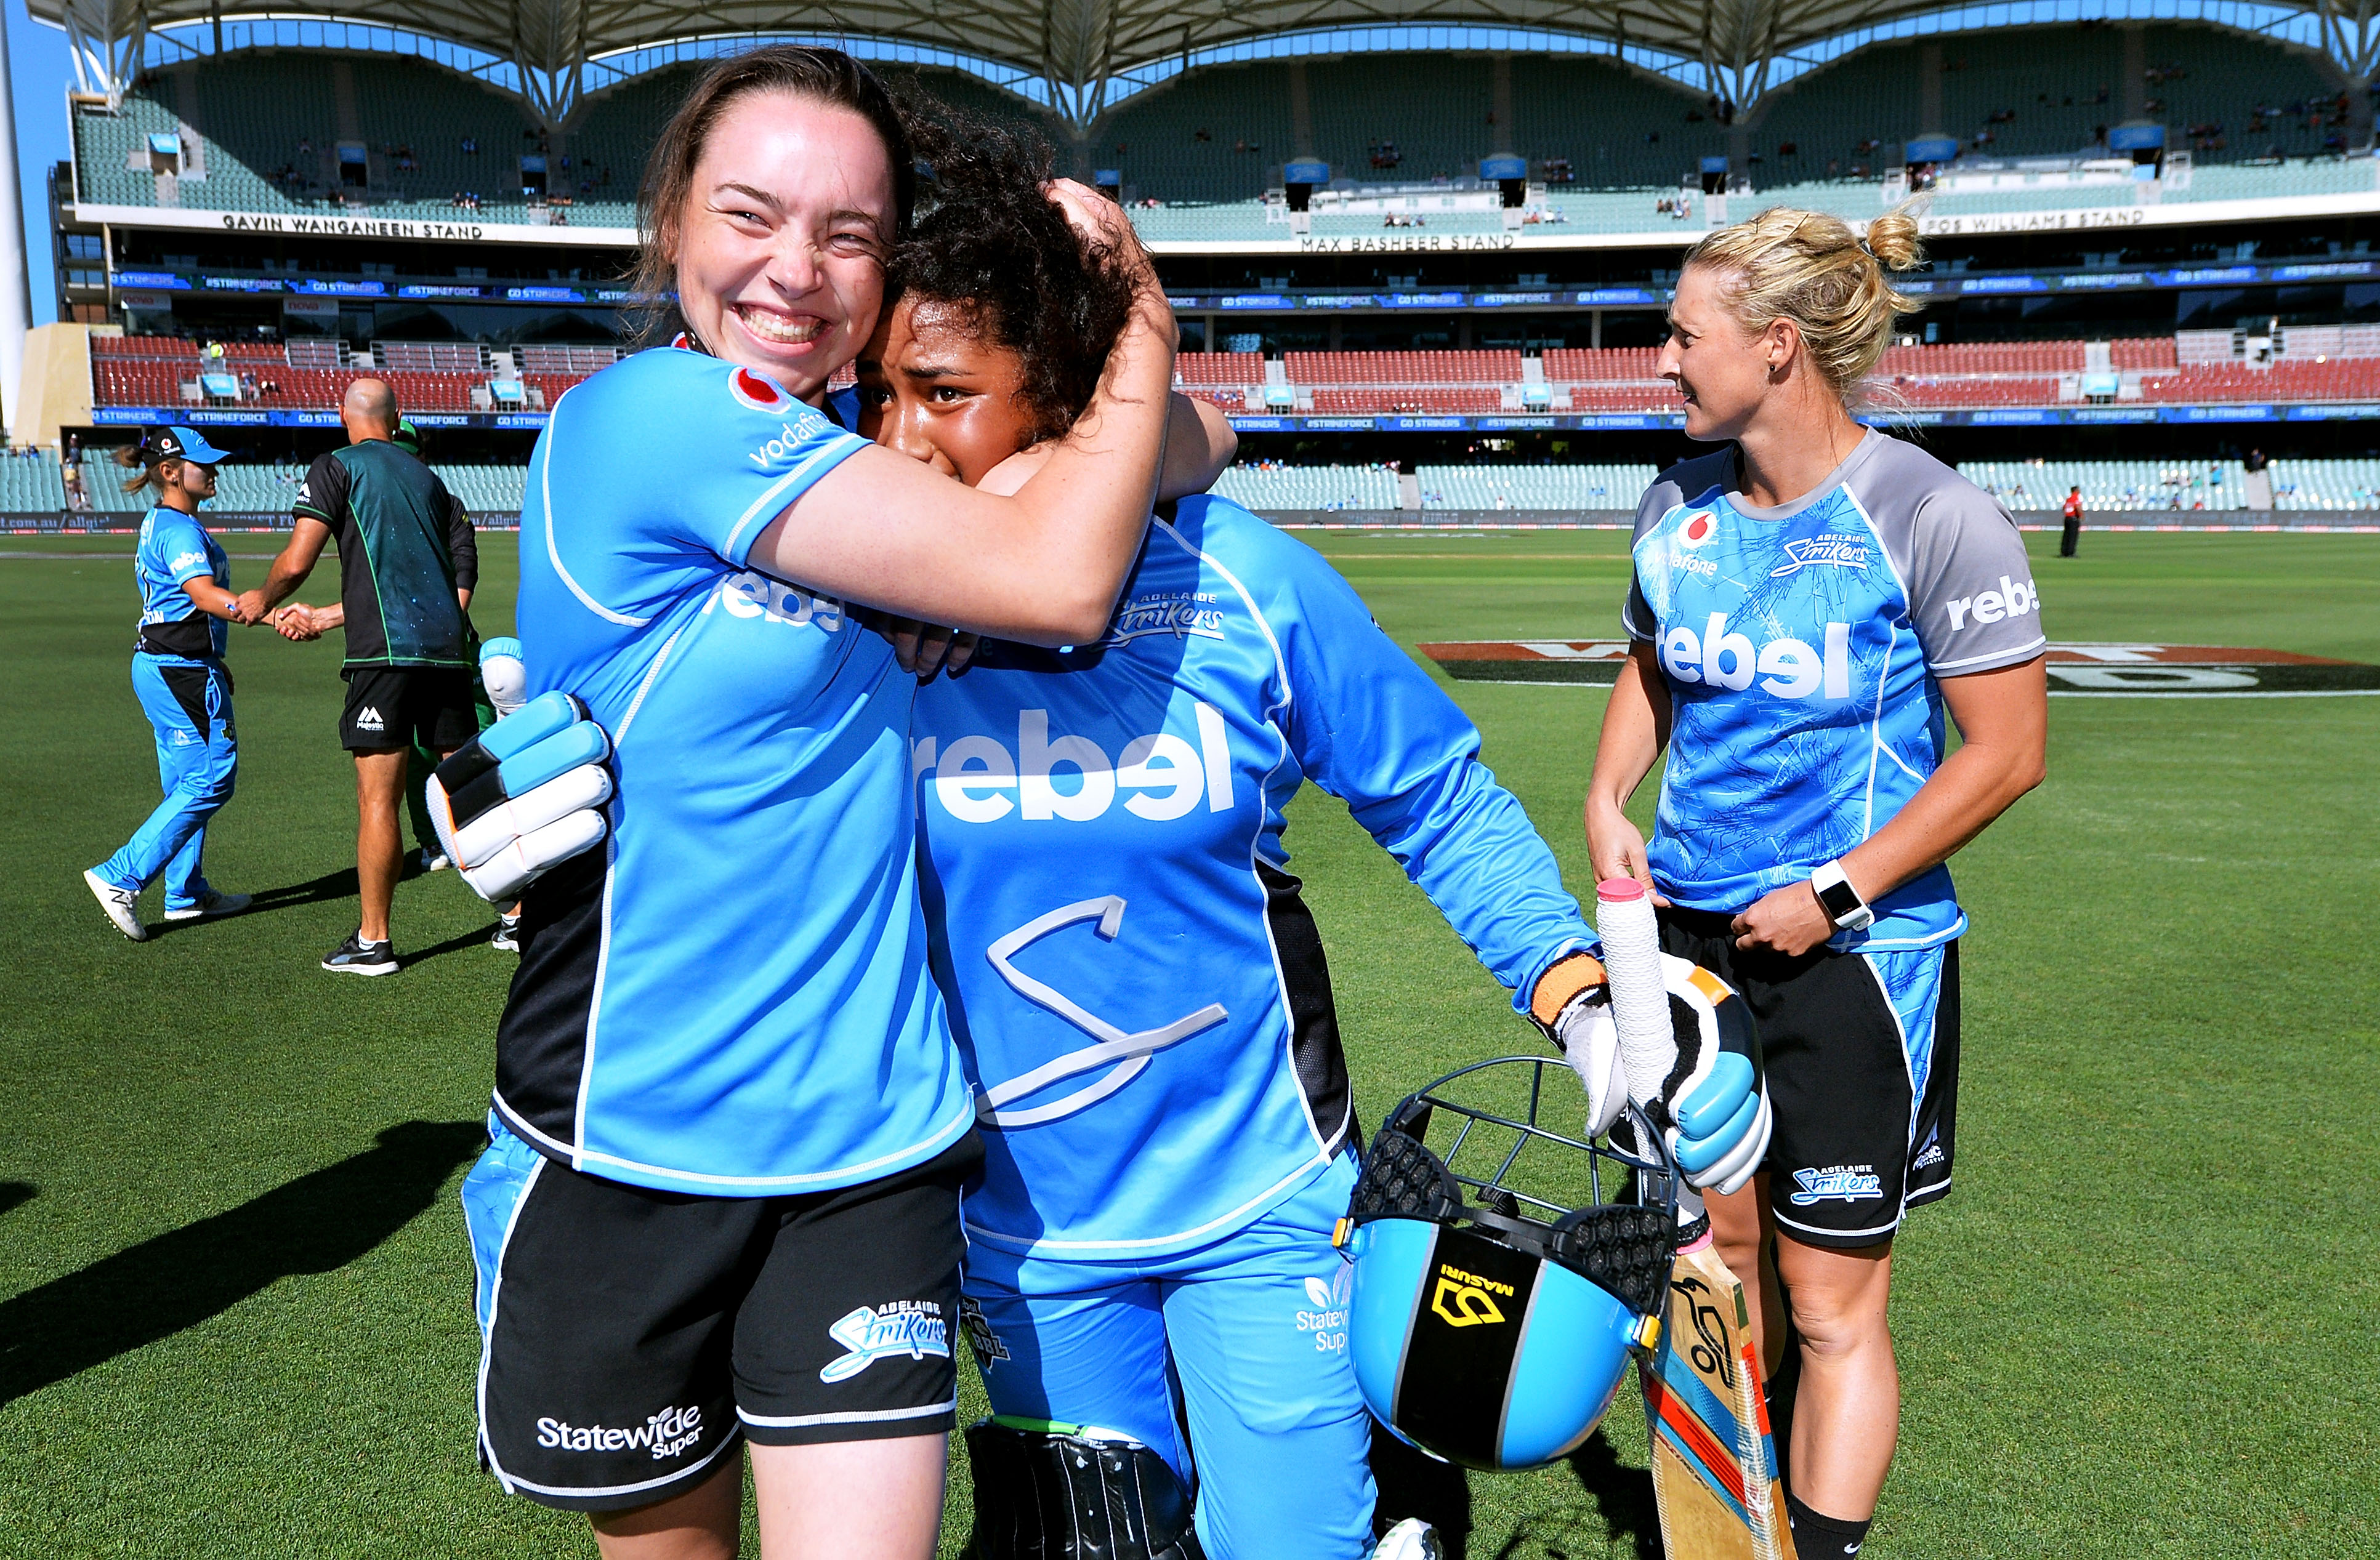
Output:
x=1686 y=479
x=1961 y=560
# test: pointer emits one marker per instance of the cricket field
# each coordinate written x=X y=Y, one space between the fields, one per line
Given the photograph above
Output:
x=238 y=1305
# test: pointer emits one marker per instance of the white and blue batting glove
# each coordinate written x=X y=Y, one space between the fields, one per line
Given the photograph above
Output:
x=505 y=674
x=1571 y=1003
x=525 y=796
x=1714 y=1104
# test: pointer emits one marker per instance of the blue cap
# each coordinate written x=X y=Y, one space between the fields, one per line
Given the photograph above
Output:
x=178 y=442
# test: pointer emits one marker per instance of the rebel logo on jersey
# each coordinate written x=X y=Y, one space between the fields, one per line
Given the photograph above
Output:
x=758 y=391
x=973 y=777
x=1786 y=668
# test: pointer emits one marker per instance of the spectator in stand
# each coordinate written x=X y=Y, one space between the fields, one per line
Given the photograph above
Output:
x=2073 y=532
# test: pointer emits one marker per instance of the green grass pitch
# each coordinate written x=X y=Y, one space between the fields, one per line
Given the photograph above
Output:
x=238 y=1316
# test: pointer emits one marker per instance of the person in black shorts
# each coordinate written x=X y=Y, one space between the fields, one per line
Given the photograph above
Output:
x=407 y=563
x=1811 y=605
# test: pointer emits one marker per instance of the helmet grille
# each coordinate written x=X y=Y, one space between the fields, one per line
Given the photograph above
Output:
x=1404 y=1179
x=1625 y=1250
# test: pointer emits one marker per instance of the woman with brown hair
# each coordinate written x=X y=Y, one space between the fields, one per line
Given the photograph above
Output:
x=1808 y=603
x=720 y=1206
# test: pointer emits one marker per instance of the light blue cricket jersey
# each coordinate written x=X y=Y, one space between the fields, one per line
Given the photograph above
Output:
x=1802 y=646
x=1137 y=988
x=174 y=550
x=733 y=997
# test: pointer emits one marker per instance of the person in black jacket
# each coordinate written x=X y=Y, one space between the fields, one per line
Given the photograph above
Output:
x=407 y=564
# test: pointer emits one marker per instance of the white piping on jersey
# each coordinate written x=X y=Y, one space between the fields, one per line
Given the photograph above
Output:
x=838 y=449
x=553 y=552
x=899 y=1159
x=1035 y=1244
x=1115 y=1045
x=487 y=1330
x=2040 y=642
x=645 y=687
x=1876 y=728
x=1894 y=945
x=1272 y=713
x=603 y=933
x=594 y=1003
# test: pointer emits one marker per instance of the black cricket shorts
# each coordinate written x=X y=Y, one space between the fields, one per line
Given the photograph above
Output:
x=403 y=707
x=631 y=1337
x=1861 y=1050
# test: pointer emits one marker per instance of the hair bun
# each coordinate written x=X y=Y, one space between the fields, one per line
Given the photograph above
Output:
x=1892 y=240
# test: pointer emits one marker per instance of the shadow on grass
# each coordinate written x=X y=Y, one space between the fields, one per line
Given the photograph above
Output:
x=318 y=1223
x=1623 y=1495
x=339 y=885
x=451 y=944
x=17 y=1194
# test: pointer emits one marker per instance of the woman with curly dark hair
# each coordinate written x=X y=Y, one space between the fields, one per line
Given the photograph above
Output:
x=1138 y=989
x=720 y=1207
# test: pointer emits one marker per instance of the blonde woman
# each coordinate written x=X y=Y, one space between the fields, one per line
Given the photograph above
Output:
x=1810 y=600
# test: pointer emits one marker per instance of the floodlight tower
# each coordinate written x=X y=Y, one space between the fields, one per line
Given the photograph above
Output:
x=16 y=287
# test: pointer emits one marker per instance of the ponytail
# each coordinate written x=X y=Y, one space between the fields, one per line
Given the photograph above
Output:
x=147 y=471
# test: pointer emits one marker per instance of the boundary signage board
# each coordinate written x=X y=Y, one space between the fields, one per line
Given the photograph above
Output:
x=2122 y=671
x=1981 y=416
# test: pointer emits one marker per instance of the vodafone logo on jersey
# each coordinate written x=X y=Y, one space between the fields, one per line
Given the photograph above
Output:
x=758 y=391
x=1698 y=528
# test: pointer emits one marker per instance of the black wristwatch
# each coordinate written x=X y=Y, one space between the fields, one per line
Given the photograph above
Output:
x=1844 y=906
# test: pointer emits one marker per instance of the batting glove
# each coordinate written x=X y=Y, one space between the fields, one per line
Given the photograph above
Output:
x=504 y=674
x=1712 y=1107
x=1572 y=1004
x=526 y=796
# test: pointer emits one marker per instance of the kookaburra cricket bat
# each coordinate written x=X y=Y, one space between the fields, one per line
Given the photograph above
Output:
x=1714 y=1461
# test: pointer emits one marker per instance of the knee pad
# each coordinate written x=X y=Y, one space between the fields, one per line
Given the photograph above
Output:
x=1041 y=1494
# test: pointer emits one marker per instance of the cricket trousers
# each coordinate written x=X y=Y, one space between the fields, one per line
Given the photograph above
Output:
x=188 y=706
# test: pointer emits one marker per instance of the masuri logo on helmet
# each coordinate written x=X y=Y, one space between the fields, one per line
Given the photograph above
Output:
x=1485 y=1338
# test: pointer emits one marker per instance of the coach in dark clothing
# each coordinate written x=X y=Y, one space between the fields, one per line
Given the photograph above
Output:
x=407 y=564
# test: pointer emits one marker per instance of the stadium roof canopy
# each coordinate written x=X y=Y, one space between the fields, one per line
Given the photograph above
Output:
x=1079 y=47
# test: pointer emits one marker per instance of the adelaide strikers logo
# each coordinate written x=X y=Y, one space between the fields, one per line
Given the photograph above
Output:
x=1698 y=528
x=758 y=391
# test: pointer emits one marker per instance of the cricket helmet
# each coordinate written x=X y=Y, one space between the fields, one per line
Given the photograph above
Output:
x=1492 y=1330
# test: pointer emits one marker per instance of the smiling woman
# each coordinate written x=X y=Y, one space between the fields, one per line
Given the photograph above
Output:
x=728 y=1104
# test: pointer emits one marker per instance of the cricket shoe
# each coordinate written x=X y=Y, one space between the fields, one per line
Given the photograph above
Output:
x=211 y=905
x=1412 y=1539
x=508 y=937
x=432 y=860
x=118 y=904
x=356 y=957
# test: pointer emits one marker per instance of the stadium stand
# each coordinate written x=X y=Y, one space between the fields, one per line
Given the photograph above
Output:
x=2049 y=92
x=1533 y=487
x=31 y=484
x=2322 y=364
x=264 y=131
x=1274 y=487
x=1617 y=129
x=1213 y=135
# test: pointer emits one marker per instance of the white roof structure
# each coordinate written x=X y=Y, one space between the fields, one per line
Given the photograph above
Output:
x=1079 y=46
